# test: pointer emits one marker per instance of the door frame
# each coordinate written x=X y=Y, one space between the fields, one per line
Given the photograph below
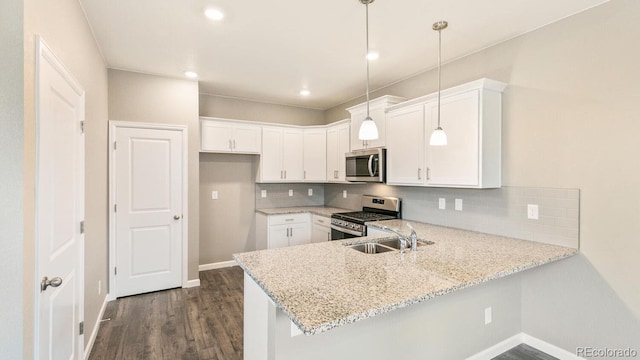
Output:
x=44 y=53
x=113 y=126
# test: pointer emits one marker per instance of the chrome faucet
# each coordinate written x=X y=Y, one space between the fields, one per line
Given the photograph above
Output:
x=405 y=240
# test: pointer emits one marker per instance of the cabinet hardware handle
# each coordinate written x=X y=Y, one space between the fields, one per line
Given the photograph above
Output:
x=328 y=236
x=234 y=144
x=304 y=174
x=285 y=174
x=419 y=174
x=291 y=231
x=230 y=146
x=321 y=221
x=428 y=174
x=281 y=176
x=288 y=219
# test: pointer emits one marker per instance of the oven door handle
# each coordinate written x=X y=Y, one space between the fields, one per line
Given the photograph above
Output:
x=371 y=172
x=346 y=231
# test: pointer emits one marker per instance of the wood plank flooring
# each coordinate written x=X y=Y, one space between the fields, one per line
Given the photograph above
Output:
x=524 y=352
x=200 y=323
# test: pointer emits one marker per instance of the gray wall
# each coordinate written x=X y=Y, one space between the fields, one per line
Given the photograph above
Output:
x=11 y=191
x=570 y=121
x=64 y=28
x=241 y=109
x=153 y=99
x=227 y=225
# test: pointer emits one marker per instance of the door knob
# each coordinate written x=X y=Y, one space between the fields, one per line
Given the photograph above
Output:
x=176 y=217
x=45 y=283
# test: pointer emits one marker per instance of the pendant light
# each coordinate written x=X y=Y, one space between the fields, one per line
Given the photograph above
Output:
x=368 y=129
x=438 y=136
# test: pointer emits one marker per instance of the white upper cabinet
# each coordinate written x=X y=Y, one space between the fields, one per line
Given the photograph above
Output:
x=225 y=136
x=315 y=155
x=471 y=116
x=406 y=146
x=377 y=109
x=282 y=154
x=338 y=140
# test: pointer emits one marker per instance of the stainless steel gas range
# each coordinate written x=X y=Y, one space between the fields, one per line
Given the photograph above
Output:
x=374 y=208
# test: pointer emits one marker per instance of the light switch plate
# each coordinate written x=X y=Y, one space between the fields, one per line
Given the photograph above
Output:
x=310 y=192
x=263 y=193
x=214 y=195
x=290 y=192
x=442 y=203
x=344 y=194
x=532 y=211
x=458 y=205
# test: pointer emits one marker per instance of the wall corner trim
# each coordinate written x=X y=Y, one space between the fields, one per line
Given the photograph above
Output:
x=94 y=332
x=523 y=338
x=191 y=283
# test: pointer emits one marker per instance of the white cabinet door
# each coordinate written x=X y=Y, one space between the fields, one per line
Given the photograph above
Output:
x=247 y=139
x=299 y=234
x=271 y=159
x=320 y=233
x=377 y=108
x=406 y=146
x=338 y=142
x=278 y=236
x=215 y=136
x=455 y=164
x=315 y=155
x=356 y=121
x=292 y=156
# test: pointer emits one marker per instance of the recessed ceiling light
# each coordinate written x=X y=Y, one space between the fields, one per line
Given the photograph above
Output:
x=372 y=55
x=214 y=14
x=305 y=92
x=191 y=74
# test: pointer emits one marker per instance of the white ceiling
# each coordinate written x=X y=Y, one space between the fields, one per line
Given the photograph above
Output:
x=270 y=50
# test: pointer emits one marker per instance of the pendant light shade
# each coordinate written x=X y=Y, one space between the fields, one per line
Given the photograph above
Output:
x=368 y=129
x=439 y=137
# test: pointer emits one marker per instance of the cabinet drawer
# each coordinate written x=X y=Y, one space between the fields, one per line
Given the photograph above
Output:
x=321 y=220
x=288 y=219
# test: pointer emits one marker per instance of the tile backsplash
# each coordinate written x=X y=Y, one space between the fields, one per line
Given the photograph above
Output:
x=278 y=195
x=500 y=211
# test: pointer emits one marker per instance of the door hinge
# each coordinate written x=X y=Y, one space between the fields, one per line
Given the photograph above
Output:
x=81 y=328
x=115 y=207
x=115 y=270
x=82 y=227
x=115 y=145
x=82 y=126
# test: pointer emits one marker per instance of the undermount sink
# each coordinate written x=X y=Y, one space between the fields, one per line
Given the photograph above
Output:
x=372 y=248
x=395 y=243
x=383 y=246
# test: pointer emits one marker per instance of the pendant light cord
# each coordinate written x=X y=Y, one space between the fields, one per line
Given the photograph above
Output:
x=367 y=56
x=439 y=71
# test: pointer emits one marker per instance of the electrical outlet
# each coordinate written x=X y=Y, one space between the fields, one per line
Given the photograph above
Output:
x=532 y=211
x=214 y=195
x=290 y=192
x=344 y=194
x=263 y=193
x=458 y=205
x=99 y=287
x=442 y=203
x=310 y=192
x=488 y=316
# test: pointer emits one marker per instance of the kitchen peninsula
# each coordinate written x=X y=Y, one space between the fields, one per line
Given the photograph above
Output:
x=378 y=306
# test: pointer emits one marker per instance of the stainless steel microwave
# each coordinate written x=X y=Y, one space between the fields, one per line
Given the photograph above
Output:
x=368 y=165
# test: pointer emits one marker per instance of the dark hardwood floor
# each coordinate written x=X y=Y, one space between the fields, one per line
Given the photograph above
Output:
x=198 y=323
x=524 y=352
x=202 y=323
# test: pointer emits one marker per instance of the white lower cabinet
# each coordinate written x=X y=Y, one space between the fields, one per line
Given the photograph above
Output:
x=288 y=230
x=320 y=229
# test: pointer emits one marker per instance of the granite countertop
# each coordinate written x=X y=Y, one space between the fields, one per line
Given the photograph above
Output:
x=325 y=211
x=325 y=285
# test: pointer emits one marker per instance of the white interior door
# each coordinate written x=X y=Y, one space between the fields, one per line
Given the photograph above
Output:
x=59 y=210
x=148 y=209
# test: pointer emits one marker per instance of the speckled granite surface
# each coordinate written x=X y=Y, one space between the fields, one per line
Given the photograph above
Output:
x=318 y=210
x=325 y=285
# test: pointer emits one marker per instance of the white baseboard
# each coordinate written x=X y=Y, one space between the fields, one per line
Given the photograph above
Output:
x=94 y=332
x=550 y=349
x=192 y=283
x=523 y=338
x=498 y=348
x=218 y=265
